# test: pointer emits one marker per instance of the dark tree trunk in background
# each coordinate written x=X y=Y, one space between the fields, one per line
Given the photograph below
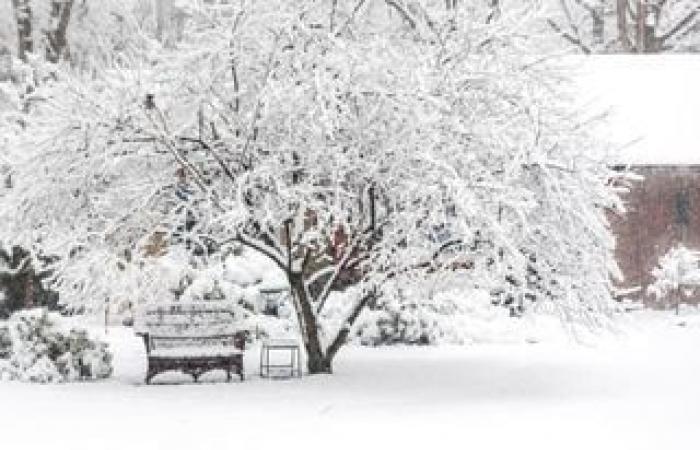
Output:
x=495 y=12
x=598 y=17
x=56 y=34
x=23 y=18
x=623 y=37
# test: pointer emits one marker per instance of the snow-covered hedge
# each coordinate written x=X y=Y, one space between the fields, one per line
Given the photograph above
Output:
x=38 y=348
x=396 y=320
x=458 y=316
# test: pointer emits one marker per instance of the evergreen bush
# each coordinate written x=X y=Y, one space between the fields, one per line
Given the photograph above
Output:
x=39 y=349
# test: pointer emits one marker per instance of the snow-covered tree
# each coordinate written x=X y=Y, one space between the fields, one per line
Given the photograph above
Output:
x=677 y=270
x=347 y=152
x=75 y=31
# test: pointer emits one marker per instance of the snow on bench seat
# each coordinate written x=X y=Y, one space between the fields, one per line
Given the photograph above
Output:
x=192 y=337
x=195 y=352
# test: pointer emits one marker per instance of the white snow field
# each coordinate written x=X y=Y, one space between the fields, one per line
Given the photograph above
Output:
x=638 y=388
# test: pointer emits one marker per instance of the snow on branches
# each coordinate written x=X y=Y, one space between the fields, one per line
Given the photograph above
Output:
x=346 y=153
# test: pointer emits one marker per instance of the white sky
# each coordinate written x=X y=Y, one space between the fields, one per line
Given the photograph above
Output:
x=653 y=103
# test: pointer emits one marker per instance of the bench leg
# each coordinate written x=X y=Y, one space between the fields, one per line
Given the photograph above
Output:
x=149 y=375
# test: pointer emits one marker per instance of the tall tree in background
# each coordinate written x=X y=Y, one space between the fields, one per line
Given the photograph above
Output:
x=56 y=41
x=82 y=32
x=53 y=32
x=630 y=26
x=22 y=10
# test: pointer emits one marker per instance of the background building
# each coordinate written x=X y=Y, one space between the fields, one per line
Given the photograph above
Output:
x=653 y=104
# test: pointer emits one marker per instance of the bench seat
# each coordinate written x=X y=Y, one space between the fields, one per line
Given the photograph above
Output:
x=190 y=352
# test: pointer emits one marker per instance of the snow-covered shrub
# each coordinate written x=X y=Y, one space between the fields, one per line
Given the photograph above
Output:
x=250 y=280
x=233 y=274
x=457 y=316
x=678 y=269
x=408 y=317
x=400 y=320
x=42 y=350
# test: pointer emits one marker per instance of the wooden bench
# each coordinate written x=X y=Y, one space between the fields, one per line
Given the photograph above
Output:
x=191 y=337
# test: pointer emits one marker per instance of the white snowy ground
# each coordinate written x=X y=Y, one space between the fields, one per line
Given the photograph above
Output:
x=639 y=389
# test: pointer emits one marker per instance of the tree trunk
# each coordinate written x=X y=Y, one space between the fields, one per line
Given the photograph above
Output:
x=622 y=29
x=495 y=13
x=318 y=361
x=56 y=36
x=641 y=32
x=23 y=18
x=598 y=17
x=163 y=13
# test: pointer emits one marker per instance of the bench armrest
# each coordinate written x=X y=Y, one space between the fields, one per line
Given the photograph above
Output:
x=240 y=338
x=146 y=340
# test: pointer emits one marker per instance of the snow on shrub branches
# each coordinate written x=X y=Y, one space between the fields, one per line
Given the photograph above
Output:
x=679 y=268
x=35 y=347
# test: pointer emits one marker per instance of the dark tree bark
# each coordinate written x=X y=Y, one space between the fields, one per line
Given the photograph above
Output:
x=56 y=34
x=23 y=18
x=318 y=361
x=495 y=13
x=598 y=23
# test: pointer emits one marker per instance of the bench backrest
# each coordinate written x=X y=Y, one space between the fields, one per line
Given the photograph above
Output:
x=184 y=324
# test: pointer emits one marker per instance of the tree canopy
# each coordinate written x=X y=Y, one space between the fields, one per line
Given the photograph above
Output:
x=349 y=151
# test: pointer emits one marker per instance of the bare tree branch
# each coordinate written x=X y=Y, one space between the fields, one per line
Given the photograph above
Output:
x=683 y=23
x=403 y=12
x=572 y=39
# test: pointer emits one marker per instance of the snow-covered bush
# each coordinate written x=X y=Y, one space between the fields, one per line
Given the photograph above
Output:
x=251 y=281
x=42 y=350
x=678 y=269
x=233 y=274
x=456 y=316
x=448 y=317
x=399 y=319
